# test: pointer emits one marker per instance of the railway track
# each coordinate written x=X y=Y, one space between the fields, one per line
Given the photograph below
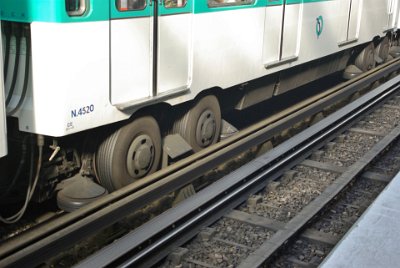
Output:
x=44 y=242
x=260 y=226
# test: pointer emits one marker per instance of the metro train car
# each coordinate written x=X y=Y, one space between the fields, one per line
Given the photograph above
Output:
x=92 y=87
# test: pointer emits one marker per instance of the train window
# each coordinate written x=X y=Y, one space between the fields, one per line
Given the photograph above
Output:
x=126 y=5
x=221 y=3
x=75 y=7
x=174 y=3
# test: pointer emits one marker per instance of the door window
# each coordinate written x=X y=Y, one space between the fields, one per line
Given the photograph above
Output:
x=128 y=5
x=219 y=3
x=75 y=7
x=174 y=3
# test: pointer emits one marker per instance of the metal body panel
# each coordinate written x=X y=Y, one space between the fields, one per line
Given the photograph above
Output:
x=393 y=12
x=355 y=19
x=3 y=126
x=291 y=31
x=231 y=53
x=273 y=23
x=175 y=53
x=282 y=32
x=349 y=20
x=131 y=59
x=70 y=79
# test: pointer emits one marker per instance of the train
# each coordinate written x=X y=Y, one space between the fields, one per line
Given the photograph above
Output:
x=90 y=89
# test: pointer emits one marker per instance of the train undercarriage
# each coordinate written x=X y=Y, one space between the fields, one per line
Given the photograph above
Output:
x=80 y=168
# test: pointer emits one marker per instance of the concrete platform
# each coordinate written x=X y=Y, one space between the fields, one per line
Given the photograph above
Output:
x=374 y=241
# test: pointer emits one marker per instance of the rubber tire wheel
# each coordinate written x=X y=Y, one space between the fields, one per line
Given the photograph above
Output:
x=365 y=61
x=186 y=125
x=111 y=157
x=382 y=50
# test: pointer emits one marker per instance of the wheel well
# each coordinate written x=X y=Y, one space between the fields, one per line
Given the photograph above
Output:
x=376 y=40
x=216 y=91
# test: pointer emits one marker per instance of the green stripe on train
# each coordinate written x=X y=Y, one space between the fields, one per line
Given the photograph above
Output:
x=54 y=10
x=50 y=11
x=203 y=7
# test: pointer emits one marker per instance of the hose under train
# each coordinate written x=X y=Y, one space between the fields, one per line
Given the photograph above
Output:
x=33 y=180
x=7 y=34
x=21 y=165
x=26 y=73
x=16 y=31
x=21 y=32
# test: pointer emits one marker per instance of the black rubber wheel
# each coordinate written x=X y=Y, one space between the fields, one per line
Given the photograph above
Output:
x=130 y=153
x=365 y=61
x=382 y=50
x=201 y=125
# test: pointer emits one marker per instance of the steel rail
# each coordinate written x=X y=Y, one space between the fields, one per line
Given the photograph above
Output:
x=46 y=241
x=183 y=222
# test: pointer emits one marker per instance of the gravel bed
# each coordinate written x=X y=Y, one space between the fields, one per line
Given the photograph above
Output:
x=241 y=233
x=293 y=200
x=366 y=185
x=316 y=177
x=395 y=101
x=284 y=201
x=389 y=163
x=342 y=215
x=215 y=253
x=302 y=251
x=395 y=150
x=339 y=219
x=388 y=166
x=382 y=120
x=350 y=150
x=278 y=214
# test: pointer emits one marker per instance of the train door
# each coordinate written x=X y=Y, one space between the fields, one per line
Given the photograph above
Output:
x=150 y=49
x=349 y=20
x=282 y=32
x=392 y=12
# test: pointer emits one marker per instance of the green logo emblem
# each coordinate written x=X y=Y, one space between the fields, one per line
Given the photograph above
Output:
x=319 y=26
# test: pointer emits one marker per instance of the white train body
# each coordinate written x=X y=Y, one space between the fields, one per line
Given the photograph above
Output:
x=86 y=74
x=3 y=127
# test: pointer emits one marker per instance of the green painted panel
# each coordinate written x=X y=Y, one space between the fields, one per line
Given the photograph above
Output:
x=305 y=1
x=148 y=10
x=274 y=2
x=291 y=2
x=50 y=11
x=100 y=10
x=204 y=7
